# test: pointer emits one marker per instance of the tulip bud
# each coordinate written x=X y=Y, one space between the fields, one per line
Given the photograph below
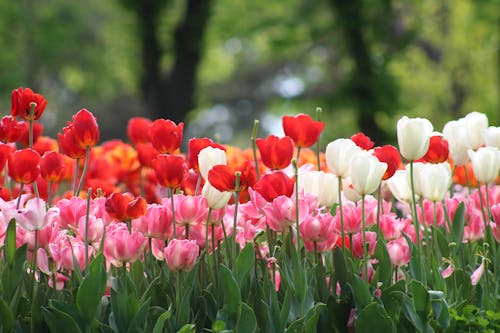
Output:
x=491 y=136
x=475 y=123
x=339 y=154
x=208 y=158
x=435 y=180
x=399 y=184
x=181 y=254
x=366 y=172
x=485 y=163
x=453 y=132
x=413 y=137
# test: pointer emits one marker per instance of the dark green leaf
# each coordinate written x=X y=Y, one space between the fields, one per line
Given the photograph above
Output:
x=312 y=316
x=361 y=291
x=7 y=322
x=458 y=223
x=59 y=322
x=443 y=244
x=248 y=321
x=232 y=296
x=421 y=299
x=374 y=319
x=188 y=328
x=340 y=266
x=10 y=243
x=384 y=269
x=244 y=263
x=88 y=296
x=137 y=323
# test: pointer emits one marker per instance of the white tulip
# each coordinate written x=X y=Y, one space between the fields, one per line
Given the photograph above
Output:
x=215 y=198
x=339 y=154
x=435 y=180
x=475 y=123
x=210 y=157
x=400 y=187
x=485 y=163
x=455 y=133
x=491 y=136
x=413 y=137
x=366 y=172
x=349 y=191
x=321 y=184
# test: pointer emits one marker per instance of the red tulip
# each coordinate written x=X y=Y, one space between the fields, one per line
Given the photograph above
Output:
x=438 y=150
x=165 y=135
x=195 y=146
x=390 y=155
x=146 y=153
x=52 y=166
x=23 y=99
x=362 y=141
x=10 y=129
x=86 y=130
x=68 y=143
x=302 y=129
x=223 y=177
x=274 y=185
x=124 y=206
x=25 y=132
x=170 y=170
x=24 y=166
x=275 y=153
x=5 y=152
x=138 y=129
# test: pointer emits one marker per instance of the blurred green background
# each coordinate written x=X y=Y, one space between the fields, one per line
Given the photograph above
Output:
x=220 y=64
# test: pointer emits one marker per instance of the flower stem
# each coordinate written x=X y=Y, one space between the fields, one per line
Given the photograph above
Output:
x=318 y=160
x=84 y=172
x=365 y=249
x=87 y=214
x=77 y=172
x=172 y=206
x=20 y=195
x=235 y=217
x=379 y=208
x=419 y=274
x=254 y=147
x=342 y=234
x=296 y=170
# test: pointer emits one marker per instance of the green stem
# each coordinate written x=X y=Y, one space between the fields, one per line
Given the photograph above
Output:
x=467 y=179
x=420 y=275
x=342 y=233
x=235 y=216
x=365 y=249
x=21 y=188
x=207 y=247
x=296 y=170
x=84 y=172
x=172 y=206
x=318 y=160
x=379 y=208
x=77 y=172
x=87 y=214
x=434 y=231
x=254 y=147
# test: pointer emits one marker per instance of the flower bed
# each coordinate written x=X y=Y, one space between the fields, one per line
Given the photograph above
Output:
x=139 y=236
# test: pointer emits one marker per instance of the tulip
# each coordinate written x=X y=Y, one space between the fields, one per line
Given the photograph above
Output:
x=276 y=153
x=121 y=246
x=23 y=166
x=52 y=166
x=362 y=141
x=138 y=129
x=181 y=254
x=389 y=155
x=10 y=129
x=69 y=144
x=215 y=198
x=209 y=157
x=413 y=137
x=475 y=123
x=95 y=230
x=5 y=152
x=125 y=207
x=348 y=190
x=454 y=133
x=195 y=146
x=223 y=177
x=438 y=150
x=71 y=210
x=316 y=228
x=24 y=135
x=339 y=154
x=399 y=252
x=190 y=209
x=34 y=215
x=155 y=223
x=302 y=129
x=86 y=130
x=366 y=172
x=491 y=136
x=478 y=273
x=281 y=213
x=485 y=163
x=273 y=185
x=320 y=184
x=435 y=180
x=146 y=153
x=27 y=104
x=165 y=135
x=359 y=245
x=352 y=219
x=170 y=170
x=399 y=184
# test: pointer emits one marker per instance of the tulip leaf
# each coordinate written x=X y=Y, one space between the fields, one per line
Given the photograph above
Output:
x=312 y=316
x=415 y=265
x=232 y=296
x=59 y=321
x=374 y=319
x=340 y=266
x=442 y=243
x=160 y=322
x=247 y=322
x=88 y=296
x=458 y=223
x=384 y=269
x=440 y=308
x=244 y=263
x=10 y=243
x=7 y=322
x=188 y=328
x=361 y=291
x=421 y=299
x=137 y=322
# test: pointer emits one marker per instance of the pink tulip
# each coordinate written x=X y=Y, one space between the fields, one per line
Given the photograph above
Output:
x=189 y=209
x=156 y=223
x=352 y=219
x=42 y=261
x=181 y=254
x=392 y=226
x=399 y=252
x=316 y=228
x=45 y=236
x=477 y=274
x=121 y=246
x=95 y=230
x=357 y=243
x=71 y=210
x=448 y=271
x=474 y=230
x=324 y=246
x=60 y=280
x=34 y=215
x=428 y=218
x=495 y=213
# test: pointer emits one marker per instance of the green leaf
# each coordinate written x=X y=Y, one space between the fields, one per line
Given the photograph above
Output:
x=218 y=326
x=374 y=319
x=312 y=316
x=442 y=243
x=188 y=328
x=10 y=243
x=59 y=322
x=160 y=322
x=340 y=266
x=232 y=295
x=384 y=269
x=296 y=327
x=421 y=299
x=89 y=294
x=137 y=323
x=361 y=291
x=244 y=263
x=458 y=223
x=415 y=263
x=440 y=308
x=248 y=321
x=7 y=322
